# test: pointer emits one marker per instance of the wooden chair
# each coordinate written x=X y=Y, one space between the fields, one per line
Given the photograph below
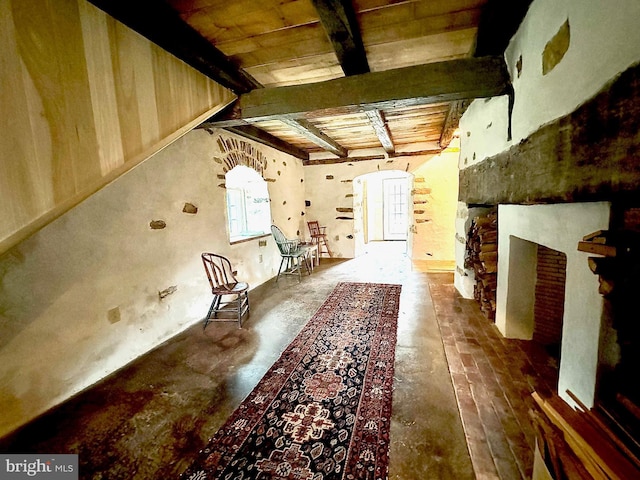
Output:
x=319 y=237
x=223 y=282
x=294 y=255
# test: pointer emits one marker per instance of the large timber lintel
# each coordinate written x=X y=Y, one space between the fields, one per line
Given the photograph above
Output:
x=589 y=155
x=417 y=85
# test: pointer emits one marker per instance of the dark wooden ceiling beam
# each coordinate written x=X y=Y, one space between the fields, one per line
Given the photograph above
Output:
x=162 y=25
x=451 y=122
x=339 y=22
x=252 y=132
x=410 y=86
x=379 y=124
x=314 y=134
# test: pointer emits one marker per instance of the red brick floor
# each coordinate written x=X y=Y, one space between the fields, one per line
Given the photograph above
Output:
x=493 y=379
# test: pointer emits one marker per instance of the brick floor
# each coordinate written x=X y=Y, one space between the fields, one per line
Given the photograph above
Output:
x=493 y=378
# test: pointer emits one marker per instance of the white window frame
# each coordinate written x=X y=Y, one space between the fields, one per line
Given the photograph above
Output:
x=245 y=223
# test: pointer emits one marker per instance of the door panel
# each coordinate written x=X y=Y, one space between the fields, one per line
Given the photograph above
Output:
x=395 y=208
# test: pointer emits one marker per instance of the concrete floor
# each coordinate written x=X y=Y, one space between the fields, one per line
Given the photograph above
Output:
x=150 y=419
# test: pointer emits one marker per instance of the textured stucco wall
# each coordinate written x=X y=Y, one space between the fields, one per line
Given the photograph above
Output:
x=79 y=299
x=435 y=238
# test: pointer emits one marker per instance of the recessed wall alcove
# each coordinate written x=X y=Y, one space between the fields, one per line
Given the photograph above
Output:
x=521 y=228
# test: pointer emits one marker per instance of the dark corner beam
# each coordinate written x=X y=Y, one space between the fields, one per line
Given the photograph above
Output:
x=252 y=132
x=162 y=25
x=339 y=22
x=315 y=135
x=499 y=21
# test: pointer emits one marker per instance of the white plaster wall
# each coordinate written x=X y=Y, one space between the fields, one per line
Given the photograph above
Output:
x=560 y=227
x=58 y=286
x=330 y=186
x=605 y=41
x=483 y=130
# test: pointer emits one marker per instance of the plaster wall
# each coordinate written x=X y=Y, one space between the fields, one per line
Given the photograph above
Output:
x=434 y=239
x=604 y=41
x=560 y=227
x=80 y=298
x=331 y=186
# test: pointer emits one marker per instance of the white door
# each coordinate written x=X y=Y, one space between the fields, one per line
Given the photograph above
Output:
x=395 y=208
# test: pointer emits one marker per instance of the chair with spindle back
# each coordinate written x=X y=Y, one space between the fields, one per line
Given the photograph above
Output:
x=222 y=279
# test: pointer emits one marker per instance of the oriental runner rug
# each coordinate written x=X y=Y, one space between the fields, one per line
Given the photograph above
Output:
x=323 y=410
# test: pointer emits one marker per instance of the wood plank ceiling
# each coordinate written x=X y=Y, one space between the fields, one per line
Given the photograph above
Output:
x=338 y=79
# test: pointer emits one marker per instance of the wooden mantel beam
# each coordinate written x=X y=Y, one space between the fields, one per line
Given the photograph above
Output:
x=418 y=85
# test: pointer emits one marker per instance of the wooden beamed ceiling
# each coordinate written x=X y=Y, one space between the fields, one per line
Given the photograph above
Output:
x=442 y=53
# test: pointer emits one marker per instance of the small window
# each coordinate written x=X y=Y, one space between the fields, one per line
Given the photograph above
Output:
x=248 y=205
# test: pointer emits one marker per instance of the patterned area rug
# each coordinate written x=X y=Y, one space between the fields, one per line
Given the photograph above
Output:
x=323 y=410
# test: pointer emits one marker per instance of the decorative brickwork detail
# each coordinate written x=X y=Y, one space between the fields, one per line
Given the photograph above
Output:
x=238 y=152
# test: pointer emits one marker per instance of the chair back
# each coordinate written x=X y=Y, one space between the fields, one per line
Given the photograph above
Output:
x=286 y=246
x=219 y=272
x=314 y=228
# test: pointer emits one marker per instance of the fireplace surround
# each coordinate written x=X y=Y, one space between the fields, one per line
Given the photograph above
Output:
x=559 y=227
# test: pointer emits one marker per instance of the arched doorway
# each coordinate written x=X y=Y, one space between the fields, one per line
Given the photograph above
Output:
x=382 y=212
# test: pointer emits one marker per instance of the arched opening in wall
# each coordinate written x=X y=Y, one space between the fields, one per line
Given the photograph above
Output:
x=248 y=204
x=382 y=212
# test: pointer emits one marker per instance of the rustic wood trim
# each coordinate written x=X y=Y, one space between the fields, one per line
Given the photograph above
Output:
x=589 y=155
x=314 y=134
x=254 y=133
x=339 y=21
x=379 y=124
x=329 y=161
x=162 y=25
x=451 y=122
x=416 y=85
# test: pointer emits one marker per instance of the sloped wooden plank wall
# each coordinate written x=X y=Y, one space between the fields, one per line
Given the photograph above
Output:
x=83 y=99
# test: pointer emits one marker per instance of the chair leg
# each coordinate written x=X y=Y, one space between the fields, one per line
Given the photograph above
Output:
x=281 y=263
x=214 y=307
